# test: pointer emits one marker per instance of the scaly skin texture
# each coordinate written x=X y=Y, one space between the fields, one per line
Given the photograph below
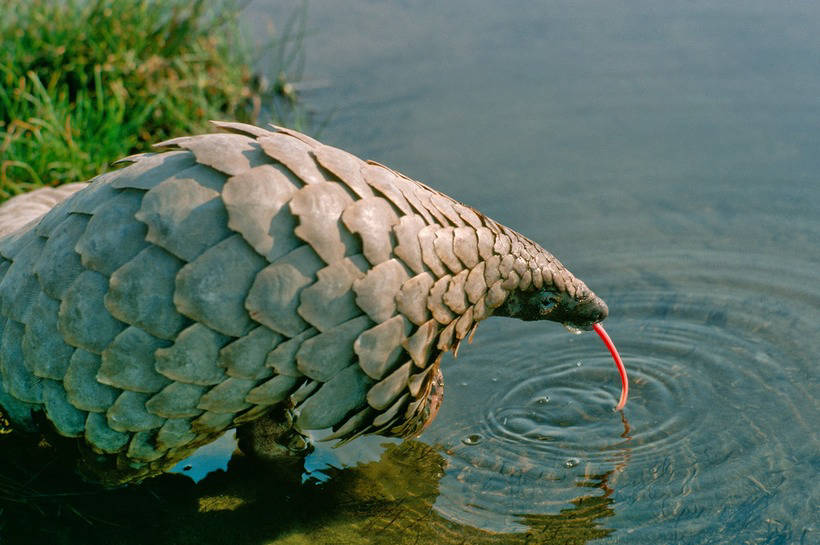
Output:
x=198 y=288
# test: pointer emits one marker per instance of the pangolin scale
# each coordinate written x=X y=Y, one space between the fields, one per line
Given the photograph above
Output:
x=197 y=288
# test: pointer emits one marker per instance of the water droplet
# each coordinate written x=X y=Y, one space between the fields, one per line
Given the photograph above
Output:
x=579 y=363
x=572 y=462
x=462 y=384
x=543 y=400
x=572 y=329
x=472 y=439
x=494 y=379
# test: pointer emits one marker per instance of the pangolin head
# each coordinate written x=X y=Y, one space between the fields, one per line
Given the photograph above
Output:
x=566 y=300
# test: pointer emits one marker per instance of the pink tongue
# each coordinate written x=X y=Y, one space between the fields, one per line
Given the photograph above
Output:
x=599 y=329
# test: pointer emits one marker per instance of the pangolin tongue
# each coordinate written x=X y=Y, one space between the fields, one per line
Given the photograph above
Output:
x=599 y=329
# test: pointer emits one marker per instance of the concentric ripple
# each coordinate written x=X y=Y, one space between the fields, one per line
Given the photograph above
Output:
x=721 y=352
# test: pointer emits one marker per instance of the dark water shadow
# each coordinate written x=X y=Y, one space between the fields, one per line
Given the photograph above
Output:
x=254 y=502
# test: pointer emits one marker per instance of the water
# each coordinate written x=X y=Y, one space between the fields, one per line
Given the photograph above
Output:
x=668 y=153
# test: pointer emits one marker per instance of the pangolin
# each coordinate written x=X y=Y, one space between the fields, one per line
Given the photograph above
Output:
x=202 y=286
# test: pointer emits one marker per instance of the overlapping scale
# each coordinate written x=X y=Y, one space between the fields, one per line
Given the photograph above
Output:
x=83 y=320
x=294 y=154
x=383 y=180
x=43 y=346
x=426 y=239
x=147 y=170
x=81 y=385
x=213 y=288
x=101 y=436
x=408 y=248
x=184 y=213
x=17 y=379
x=435 y=301
x=455 y=297
x=245 y=357
x=58 y=264
x=177 y=400
x=256 y=201
x=274 y=296
x=128 y=362
x=228 y=153
x=329 y=404
x=195 y=289
x=376 y=292
x=424 y=195
x=411 y=301
x=141 y=293
x=67 y=419
x=128 y=413
x=228 y=396
x=273 y=390
x=347 y=167
x=282 y=359
x=192 y=358
x=322 y=356
x=113 y=236
x=330 y=300
x=319 y=208
x=384 y=392
x=372 y=218
x=379 y=348
x=19 y=287
x=443 y=246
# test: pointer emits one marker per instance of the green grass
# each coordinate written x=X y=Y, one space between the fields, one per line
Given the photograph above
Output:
x=85 y=82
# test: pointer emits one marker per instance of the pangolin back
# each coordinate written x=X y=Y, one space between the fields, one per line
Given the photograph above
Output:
x=197 y=288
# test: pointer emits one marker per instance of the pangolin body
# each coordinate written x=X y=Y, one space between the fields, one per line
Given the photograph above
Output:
x=197 y=288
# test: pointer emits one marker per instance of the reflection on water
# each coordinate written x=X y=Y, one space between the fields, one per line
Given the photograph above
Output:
x=390 y=500
x=208 y=458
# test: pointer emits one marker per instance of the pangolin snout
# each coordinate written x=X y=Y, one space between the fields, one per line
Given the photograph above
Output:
x=588 y=311
x=579 y=309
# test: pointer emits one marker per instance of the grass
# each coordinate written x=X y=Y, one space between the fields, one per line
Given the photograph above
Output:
x=85 y=82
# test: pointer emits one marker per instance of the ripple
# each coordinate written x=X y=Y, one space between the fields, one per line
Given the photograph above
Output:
x=721 y=358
